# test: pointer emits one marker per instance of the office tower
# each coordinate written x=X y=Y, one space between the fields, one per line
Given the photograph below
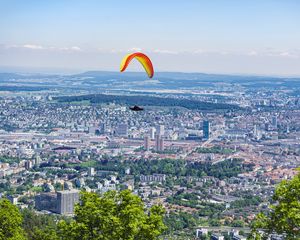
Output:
x=122 y=130
x=159 y=143
x=160 y=130
x=147 y=143
x=206 y=129
x=152 y=133
x=66 y=201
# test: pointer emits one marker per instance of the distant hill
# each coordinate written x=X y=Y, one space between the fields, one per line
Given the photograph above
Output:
x=105 y=80
x=148 y=101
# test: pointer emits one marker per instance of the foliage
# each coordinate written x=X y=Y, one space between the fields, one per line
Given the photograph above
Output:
x=284 y=215
x=246 y=201
x=8 y=159
x=179 y=221
x=215 y=149
x=10 y=221
x=113 y=216
x=226 y=168
x=146 y=101
x=39 y=227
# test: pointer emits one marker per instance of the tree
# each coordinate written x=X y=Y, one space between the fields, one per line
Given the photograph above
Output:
x=10 y=221
x=114 y=215
x=284 y=217
x=39 y=226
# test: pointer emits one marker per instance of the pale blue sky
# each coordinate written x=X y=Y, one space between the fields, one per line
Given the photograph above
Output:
x=220 y=36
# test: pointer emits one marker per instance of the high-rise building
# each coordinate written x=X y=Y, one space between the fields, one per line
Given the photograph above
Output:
x=152 y=133
x=66 y=201
x=147 y=143
x=159 y=143
x=206 y=129
x=160 y=130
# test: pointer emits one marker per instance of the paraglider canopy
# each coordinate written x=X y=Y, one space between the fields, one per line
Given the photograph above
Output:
x=142 y=58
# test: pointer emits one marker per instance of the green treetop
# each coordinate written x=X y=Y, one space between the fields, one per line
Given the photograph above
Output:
x=113 y=216
x=284 y=217
x=10 y=221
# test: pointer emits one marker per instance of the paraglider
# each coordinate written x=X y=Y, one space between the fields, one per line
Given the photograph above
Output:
x=136 y=108
x=142 y=58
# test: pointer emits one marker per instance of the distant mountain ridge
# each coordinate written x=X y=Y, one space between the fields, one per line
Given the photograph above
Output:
x=108 y=80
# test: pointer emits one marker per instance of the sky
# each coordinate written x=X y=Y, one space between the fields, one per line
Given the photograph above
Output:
x=259 y=37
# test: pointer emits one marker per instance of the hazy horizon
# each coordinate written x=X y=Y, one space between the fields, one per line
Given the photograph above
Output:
x=222 y=37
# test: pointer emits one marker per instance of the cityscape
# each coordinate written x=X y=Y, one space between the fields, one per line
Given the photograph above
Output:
x=212 y=169
x=149 y=120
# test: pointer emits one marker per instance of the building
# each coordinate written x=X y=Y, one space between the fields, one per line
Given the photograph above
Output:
x=159 y=143
x=28 y=165
x=37 y=160
x=91 y=172
x=61 y=202
x=238 y=237
x=152 y=133
x=127 y=171
x=153 y=178
x=216 y=237
x=122 y=130
x=92 y=130
x=68 y=186
x=274 y=121
x=160 y=130
x=157 y=140
x=46 y=201
x=201 y=232
x=147 y=143
x=206 y=129
x=79 y=182
x=102 y=128
x=66 y=201
x=13 y=199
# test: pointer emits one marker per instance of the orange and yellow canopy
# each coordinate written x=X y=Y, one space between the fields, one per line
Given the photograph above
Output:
x=142 y=58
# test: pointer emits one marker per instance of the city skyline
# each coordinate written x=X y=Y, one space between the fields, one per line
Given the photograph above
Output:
x=230 y=37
